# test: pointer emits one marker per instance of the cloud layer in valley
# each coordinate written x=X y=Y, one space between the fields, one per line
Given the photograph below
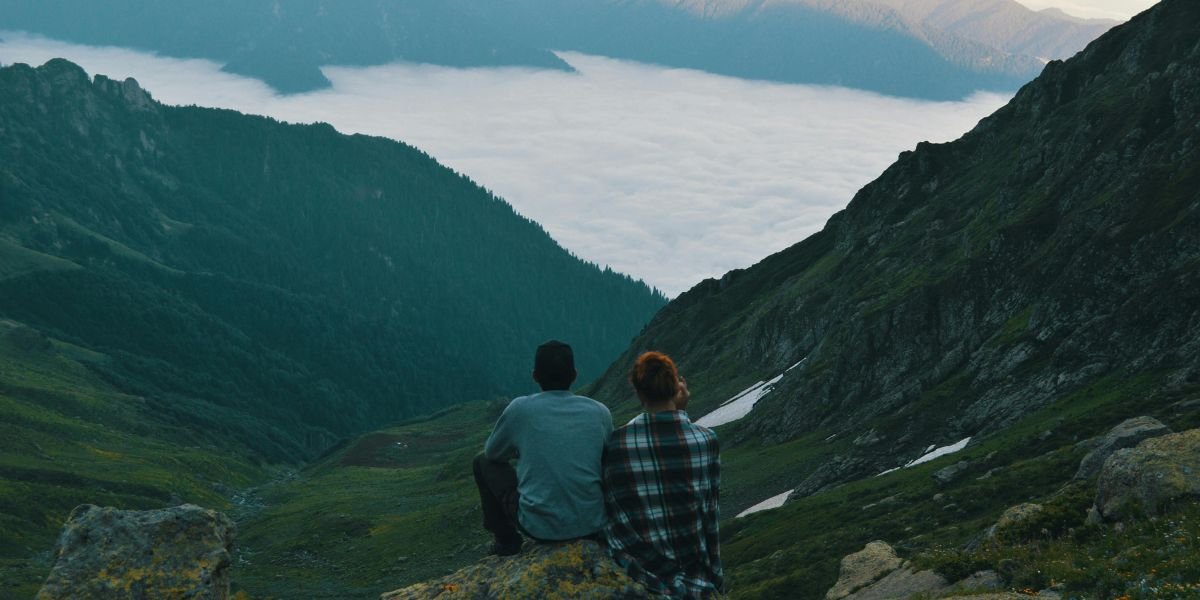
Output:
x=669 y=175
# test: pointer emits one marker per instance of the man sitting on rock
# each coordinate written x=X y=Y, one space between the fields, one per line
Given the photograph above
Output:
x=557 y=438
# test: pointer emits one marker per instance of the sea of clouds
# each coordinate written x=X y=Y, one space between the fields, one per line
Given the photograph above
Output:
x=669 y=175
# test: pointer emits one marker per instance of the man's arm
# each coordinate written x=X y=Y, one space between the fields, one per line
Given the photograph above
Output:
x=501 y=444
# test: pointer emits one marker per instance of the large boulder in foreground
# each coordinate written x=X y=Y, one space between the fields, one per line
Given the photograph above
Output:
x=565 y=571
x=1157 y=471
x=1126 y=435
x=173 y=553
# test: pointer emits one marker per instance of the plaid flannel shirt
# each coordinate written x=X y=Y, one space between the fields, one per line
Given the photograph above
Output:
x=662 y=477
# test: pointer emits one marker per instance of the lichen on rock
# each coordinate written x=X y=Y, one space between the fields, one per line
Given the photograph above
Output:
x=580 y=569
x=173 y=553
x=863 y=568
x=1126 y=435
x=1154 y=473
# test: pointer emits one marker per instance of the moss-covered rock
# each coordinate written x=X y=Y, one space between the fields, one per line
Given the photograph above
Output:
x=546 y=571
x=174 y=553
x=1157 y=471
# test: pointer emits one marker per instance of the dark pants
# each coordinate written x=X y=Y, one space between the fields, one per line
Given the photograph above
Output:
x=497 y=482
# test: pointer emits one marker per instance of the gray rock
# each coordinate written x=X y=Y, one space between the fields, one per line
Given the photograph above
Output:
x=1186 y=406
x=903 y=583
x=982 y=581
x=1017 y=514
x=580 y=569
x=829 y=475
x=1011 y=516
x=952 y=472
x=867 y=439
x=863 y=568
x=1156 y=471
x=996 y=596
x=181 y=552
x=1126 y=435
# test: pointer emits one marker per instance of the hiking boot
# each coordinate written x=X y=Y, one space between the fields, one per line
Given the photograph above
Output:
x=505 y=548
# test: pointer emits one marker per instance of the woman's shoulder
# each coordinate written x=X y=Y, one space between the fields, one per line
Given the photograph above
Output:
x=629 y=429
x=701 y=430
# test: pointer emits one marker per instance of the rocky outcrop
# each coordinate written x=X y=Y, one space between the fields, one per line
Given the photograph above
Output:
x=1126 y=435
x=981 y=581
x=876 y=573
x=864 y=568
x=550 y=571
x=1149 y=476
x=904 y=582
x=1014 y=515
x=103 y=553
x=946 y=475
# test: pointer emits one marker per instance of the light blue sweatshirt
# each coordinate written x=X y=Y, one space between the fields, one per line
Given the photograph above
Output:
x=558 y=440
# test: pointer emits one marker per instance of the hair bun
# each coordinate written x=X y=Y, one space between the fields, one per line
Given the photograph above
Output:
x=655 y=377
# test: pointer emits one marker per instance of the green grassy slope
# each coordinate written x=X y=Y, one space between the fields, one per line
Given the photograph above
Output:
x=399 y=506
x=395 y=506
x=17 y=260
x=794 y=551
x=69 y=438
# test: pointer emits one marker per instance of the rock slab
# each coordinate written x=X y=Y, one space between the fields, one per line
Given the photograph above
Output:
x=1157 y=471
x=546 y=571
x=904 y=582
x=876 y=573
x=174 y=553
x=1126 y=435
x=864 y=568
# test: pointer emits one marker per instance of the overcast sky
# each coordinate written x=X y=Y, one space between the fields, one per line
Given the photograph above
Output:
x=669 y=175
x=1120 y=10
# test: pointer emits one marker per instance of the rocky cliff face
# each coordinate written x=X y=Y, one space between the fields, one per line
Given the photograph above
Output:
x=1055 y=246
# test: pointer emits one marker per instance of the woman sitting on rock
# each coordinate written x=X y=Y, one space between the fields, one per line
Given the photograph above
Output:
x=662 y=480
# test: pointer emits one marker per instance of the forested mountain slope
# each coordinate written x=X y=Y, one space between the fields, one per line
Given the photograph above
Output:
x=1053 y=248
x=303 y=284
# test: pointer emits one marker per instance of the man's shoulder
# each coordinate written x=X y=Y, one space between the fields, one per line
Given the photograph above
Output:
x=518 y=403
x=594 y=405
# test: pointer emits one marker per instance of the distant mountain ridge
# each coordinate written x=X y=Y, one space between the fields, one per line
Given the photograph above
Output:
x=1005 y=25
x=937 y=49
x=283 y=42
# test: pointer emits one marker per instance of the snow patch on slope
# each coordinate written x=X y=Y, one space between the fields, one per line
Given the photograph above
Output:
x=931 y=453
x=768 y=504
x=740 y=405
